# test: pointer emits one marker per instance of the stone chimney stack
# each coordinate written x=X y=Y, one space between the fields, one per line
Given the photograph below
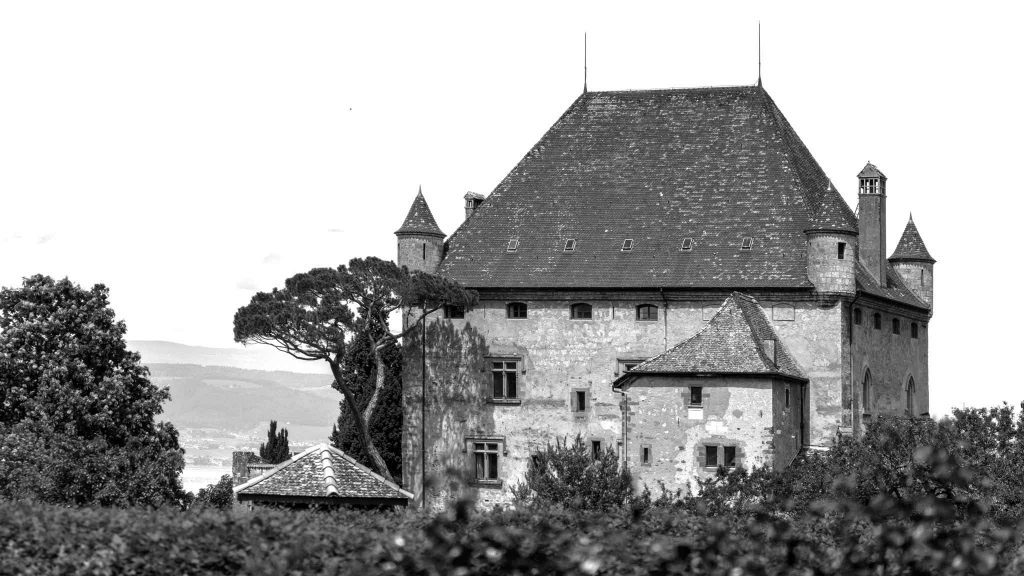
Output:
x=871 y=218
x=473 y=201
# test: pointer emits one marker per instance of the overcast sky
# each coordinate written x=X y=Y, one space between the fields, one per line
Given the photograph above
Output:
x=189 y=153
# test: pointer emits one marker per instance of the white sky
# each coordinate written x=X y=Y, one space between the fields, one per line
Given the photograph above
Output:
x=189 y=153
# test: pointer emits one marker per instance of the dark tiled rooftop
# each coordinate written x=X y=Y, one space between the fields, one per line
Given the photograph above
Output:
x=731 y=343
x=894 y=290
x=420 y=219
x=322 y=471
x=911 y=247
x=714 y=164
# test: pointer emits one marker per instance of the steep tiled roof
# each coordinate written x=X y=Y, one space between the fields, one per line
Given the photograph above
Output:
x=895 y=289
x=870 y=171
x=657 y=166
x=911 y=247
x=731 y=343
x=420 y=219
x=322 y=472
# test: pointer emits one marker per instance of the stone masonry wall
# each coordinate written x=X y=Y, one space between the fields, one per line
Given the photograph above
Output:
x=824 y=268
x=558 y=355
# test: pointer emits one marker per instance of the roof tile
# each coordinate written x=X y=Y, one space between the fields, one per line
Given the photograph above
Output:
x=420 y=220
x=911 y=247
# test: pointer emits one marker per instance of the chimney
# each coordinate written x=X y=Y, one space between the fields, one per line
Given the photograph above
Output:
x=473 y=201
x=871 y=222
x=769 y=350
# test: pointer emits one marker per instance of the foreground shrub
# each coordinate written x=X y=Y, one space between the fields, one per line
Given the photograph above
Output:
x=573 y=475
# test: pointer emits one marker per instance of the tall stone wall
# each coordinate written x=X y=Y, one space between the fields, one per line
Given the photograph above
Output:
x=558 y=355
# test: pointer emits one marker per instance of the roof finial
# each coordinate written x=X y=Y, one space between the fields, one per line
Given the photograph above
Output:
x=911 y=216
x=758 y=53
x=584 y=62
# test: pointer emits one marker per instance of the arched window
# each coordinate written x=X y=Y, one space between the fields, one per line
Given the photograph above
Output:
x=516 y=310
x=867 y=393
x=911 y=390
x=646 y=312
x=581 y=311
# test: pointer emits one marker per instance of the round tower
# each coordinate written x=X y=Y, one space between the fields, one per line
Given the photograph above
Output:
x=420 y=239
x=914 y=264
x=832 y=246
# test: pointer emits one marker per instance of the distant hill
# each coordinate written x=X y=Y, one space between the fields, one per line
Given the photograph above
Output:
x=250 y=357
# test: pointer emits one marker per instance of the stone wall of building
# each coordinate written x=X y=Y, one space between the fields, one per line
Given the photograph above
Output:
x=825 y=269
x=893 y=359
x=557 y=356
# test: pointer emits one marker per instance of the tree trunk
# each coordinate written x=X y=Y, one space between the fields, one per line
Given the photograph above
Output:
x=361 y=426
x=378 y=385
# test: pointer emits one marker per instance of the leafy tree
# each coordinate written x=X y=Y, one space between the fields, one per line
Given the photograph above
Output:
x=318 y=312
x=77 y=409
x=219 y=495
x=386 y=422
x=275 y=450
x=572 y=475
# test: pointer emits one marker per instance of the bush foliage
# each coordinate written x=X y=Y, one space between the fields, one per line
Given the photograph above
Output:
x=572 y=475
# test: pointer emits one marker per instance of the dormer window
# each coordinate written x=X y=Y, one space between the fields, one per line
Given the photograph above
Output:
x=627 y=245
x=687 y=244
x=570 y=245
x=747 y=244
x=513 y=245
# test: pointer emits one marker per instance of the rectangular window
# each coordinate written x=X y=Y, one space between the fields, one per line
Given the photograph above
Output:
x=627 y=244
x=513 y=245
x=570 y=245
x=595 y=449
x=748 y=243
x=842 y=250
x=711 y=456
x=618 y=450
x=687 y=244
x=646 y=312
x=895 y=325
x=579 y=401
x=485 y=455
x=913 y=329
x=878 y=321
x=516 y=310
x=645 y=455
x=730 y=456
x=452 y=311
x=696 y=396
x=503 y=376
x=857 y=316
x=624 y=365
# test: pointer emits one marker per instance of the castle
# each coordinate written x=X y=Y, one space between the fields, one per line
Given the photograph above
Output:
x=669 y=274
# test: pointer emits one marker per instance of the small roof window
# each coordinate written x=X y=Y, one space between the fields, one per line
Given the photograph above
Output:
x=570 y=245
x=747 y=244
x=627 y=245
x=687 y=244
x=513 y=245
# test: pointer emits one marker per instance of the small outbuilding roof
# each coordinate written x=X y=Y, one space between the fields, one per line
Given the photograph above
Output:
x=739 y=340
x=321 y=472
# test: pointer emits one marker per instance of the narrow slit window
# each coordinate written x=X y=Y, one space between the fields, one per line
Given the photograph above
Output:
x=579 y=401
x=878 y=321
x=842 y=250
x=747 y=244
x=452 y=311
x=645 y=455
x=596 y=449
x=895 y=325
x=516 y=310
x=424 y=251
x=787 y=396
x=696 y=396
x=857 y=316
x=646 y=312
x=570 y=245
x=913 y=329
x=504 y=377
x=711 y=456
x=687 y=244
x=486 y=456
x=581 y=311
x=513 y=245
x=627 y=245
x=729 y=453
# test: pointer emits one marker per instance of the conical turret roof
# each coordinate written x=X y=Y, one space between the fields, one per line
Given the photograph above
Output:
x=911 y=247
x=420 y=220
x=870 y=171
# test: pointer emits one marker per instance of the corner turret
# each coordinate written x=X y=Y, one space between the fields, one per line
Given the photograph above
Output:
x=832 y=246
x=914 y=264
x=420 y=239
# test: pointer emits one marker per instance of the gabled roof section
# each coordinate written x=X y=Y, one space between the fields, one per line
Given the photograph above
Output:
x=732 y=343
x=911 y=247
x=420 y=219
x=871 y=171
x=895 y=289
x=322 y=471
x=658 y=166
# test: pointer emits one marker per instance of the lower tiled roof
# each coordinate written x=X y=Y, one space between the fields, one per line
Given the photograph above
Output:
x=895 y=289
x=322 y=471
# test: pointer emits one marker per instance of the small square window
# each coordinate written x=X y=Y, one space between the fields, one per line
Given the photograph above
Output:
x=627 y=244
x=646 y=455
x=913 y=329
x=516 y=310
x=842 y=250
x=581 y=311
x=711 y=456
x=696 y=396
x=513 y=245
x=729 y=453
x=748 y=243
x=687 y=244
x=624 y=365
x=452 y=311
x=570 y=245
x=646 y=312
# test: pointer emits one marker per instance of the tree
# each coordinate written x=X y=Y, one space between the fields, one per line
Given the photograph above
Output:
x=219 y=495
x=275 y=450
x=573 y=475
x=77 y=409
x=386 y=424
x=317 y=313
